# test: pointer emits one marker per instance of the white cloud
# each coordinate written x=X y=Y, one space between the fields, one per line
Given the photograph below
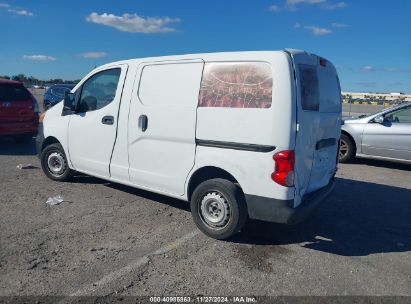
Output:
x=297 y=25
x=274 y=8
x=335 y=5
x=6 y=5
x=397 y=70
x=21 y=12
x=39 y=58
x=368 y=68
x=291 y=5
x=295 y=2
x=339 y=25
x=134 y=23
x=93 y=55
x=318 y=31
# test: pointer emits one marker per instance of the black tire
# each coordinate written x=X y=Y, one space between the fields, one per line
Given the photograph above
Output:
x=23 y=139
x=347 y=149
x=222 y=193
x=53 y=156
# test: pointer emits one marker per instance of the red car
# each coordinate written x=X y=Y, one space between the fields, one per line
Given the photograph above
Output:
x=19 y=111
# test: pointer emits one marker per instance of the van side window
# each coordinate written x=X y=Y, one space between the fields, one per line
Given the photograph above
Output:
x=99 y=90
x=236 y=85
x=310 y=99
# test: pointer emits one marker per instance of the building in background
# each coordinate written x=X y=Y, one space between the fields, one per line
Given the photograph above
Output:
x=386 y=99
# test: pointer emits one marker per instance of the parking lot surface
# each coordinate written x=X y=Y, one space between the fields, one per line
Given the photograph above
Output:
x=107 y=239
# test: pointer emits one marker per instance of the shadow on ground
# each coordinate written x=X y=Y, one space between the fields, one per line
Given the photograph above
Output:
x=382 y=163
x=359 y=219
x=166 y=200
x=8 y=146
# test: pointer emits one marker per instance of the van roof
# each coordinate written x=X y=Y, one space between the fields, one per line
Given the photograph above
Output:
x=205 y=56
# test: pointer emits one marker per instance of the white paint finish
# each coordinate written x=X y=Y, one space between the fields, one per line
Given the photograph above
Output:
x=170 y=84
x=119 y=160
x=161 y=157
x=90 y=142
x=252 y=170
x=314 y=168
x=56 y=126
x=272 y=126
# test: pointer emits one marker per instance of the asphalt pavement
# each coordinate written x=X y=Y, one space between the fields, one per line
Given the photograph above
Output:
x=108 y=239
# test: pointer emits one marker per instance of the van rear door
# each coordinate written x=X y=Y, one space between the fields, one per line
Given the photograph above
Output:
x=318 y=122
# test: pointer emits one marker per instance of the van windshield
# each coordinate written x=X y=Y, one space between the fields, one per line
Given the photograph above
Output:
x=13 y=92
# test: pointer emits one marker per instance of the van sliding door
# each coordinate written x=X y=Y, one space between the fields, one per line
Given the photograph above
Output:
x=162 y=125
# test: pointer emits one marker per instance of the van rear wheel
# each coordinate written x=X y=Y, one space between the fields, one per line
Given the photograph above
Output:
x=218 y=208
x=54 y=163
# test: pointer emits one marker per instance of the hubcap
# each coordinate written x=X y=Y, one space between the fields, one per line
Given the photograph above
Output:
x=56 y=163
x=215 y=210
x=343 y=149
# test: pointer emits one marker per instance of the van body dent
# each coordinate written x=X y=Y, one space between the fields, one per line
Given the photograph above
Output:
x=238 y=135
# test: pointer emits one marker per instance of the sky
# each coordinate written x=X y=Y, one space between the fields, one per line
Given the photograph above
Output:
x=368 y=41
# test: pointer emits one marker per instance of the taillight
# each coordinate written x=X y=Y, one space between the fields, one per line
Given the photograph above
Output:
x=323 y=62
x=284 y=168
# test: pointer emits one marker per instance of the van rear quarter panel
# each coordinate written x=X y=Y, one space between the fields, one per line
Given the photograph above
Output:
x=274 y=126
x=251 y=169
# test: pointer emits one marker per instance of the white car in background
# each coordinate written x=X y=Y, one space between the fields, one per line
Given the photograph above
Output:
x=384 y=135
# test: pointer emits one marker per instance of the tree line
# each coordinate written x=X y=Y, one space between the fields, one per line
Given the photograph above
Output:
x=30 y=80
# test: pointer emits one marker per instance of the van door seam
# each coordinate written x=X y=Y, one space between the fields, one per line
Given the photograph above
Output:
x=118 y=116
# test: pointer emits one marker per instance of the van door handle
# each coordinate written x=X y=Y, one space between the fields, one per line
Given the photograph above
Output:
x=143 y=122
x=107 y=120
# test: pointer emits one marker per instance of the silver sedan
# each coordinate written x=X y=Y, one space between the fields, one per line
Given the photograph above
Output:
x=385 y=135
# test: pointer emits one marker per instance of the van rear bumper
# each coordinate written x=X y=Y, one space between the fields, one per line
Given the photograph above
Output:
x=282 y=211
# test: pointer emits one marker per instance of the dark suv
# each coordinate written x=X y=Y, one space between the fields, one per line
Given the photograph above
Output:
x=55 y=94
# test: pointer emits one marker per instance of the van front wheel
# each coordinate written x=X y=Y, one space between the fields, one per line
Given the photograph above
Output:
x=218 y=208
x=54 y=163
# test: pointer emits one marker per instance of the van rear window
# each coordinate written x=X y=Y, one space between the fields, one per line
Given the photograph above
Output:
x=13 y=92
x=236 y=85
x=310 y=99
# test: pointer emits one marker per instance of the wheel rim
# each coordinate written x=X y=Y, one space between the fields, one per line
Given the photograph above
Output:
x=343 y=149
x=56 y=163
x=214 y=210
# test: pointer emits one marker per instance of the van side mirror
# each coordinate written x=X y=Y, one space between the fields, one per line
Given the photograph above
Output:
x=69 y=103
x=379 y=119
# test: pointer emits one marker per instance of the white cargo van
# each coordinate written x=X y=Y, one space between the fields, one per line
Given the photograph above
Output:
x=238 y=135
